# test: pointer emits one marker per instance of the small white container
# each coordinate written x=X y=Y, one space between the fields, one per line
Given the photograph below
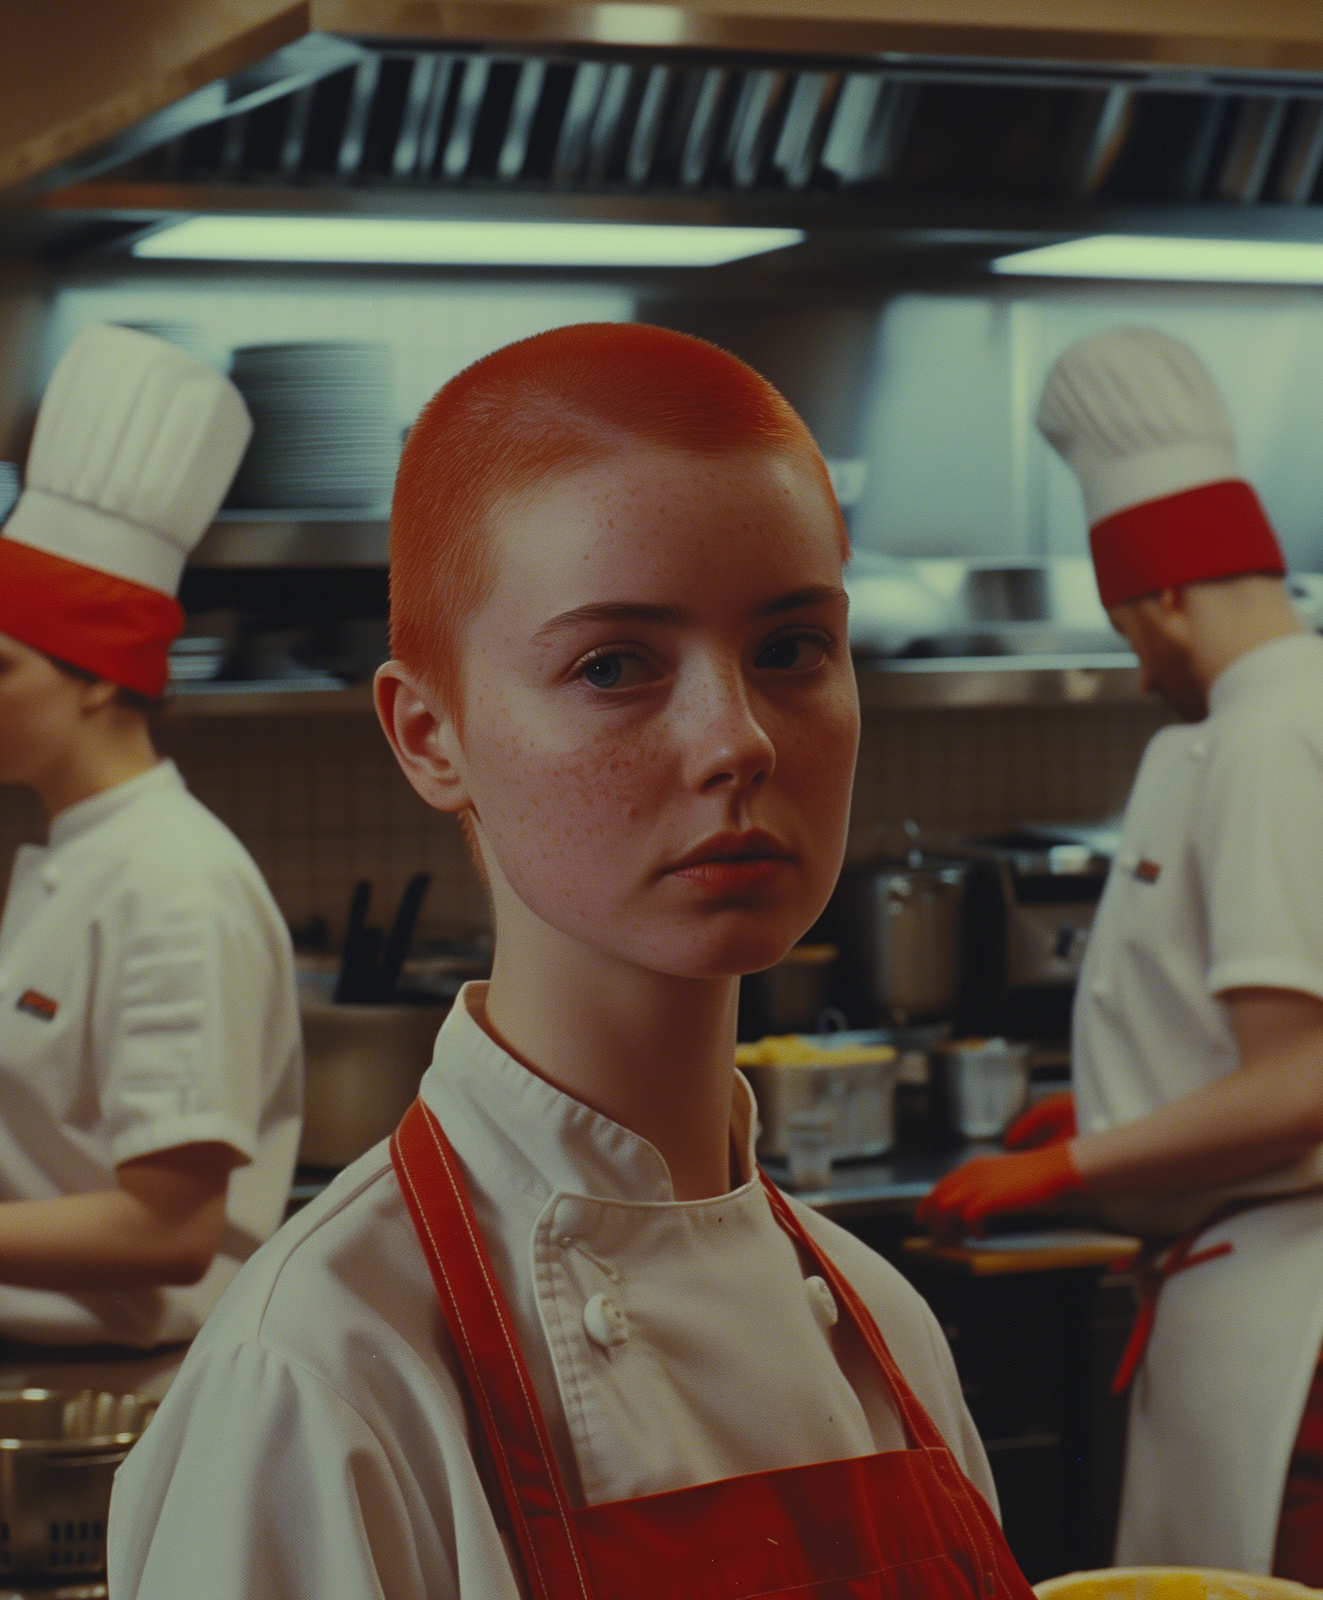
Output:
x=986 y=1083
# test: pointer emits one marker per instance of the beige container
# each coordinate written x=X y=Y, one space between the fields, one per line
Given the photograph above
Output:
x=859 y=1096
x=362 y=1068
x=58 y=1454
x=1170 y=1583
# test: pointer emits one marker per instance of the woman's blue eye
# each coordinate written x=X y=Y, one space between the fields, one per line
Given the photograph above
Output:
x=604 y=673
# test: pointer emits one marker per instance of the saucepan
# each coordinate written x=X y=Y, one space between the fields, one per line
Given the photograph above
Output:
x=58 y=1453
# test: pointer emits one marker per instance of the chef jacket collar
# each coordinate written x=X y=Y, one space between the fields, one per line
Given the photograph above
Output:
x=90 y=813
x=537 y=1136
x=1264 y=667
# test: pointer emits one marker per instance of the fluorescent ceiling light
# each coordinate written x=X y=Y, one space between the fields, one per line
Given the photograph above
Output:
x=1121 y=255
x=386 y=240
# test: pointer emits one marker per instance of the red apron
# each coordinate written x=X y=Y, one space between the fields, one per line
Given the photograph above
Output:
x=902 y=1525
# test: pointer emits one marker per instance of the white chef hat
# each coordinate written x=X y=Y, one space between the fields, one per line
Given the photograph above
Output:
x=1137 y=416
x=135 y=445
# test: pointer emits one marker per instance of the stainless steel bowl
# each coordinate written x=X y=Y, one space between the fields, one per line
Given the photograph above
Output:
x=58 y=1453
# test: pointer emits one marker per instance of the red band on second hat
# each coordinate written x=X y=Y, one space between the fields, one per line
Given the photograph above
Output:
x=119 y=630
x=1219 y=530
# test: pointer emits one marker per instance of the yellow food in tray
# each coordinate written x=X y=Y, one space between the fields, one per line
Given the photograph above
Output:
x=801 y=1050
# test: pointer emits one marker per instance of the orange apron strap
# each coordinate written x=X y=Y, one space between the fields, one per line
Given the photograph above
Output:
x=488 y=1348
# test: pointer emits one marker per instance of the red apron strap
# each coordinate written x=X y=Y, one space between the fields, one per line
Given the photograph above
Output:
x=919 y=1427
x=488 y=1348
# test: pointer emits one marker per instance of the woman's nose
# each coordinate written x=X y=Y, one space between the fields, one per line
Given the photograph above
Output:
x=725 y=743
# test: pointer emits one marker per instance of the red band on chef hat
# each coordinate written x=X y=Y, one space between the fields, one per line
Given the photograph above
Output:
x=119 y=630
x=1219 y=530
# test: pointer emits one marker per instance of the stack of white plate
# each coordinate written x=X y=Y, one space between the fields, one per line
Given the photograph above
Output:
x=324 y=435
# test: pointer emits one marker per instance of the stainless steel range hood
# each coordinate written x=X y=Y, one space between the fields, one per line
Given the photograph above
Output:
x=571 y=109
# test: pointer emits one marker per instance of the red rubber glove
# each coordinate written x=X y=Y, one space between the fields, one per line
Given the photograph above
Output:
x=1051 y=1121
x=958 y=1205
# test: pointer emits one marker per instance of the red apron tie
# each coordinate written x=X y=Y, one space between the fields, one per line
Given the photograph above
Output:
x=1157 y=1264
x=898 y=1525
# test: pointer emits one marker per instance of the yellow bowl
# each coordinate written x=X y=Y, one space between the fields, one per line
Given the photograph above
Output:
x=1170 y=1583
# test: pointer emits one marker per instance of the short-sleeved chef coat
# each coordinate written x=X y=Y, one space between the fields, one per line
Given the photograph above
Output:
x=315 y=1441
x=1217 y=885
x=147 y=1001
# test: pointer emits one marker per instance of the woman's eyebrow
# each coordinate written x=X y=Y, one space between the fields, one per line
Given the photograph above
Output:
x=815 y=594
x=609 y=611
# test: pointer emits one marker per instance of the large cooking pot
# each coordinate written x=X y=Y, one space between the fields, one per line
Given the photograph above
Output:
x=362 y=1067
x=901 y=930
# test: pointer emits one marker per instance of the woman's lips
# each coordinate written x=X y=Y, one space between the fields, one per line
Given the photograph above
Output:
x=729 y=865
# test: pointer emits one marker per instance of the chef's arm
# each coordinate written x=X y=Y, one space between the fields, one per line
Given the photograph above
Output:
x=160 y=1224
x=1264 y=1115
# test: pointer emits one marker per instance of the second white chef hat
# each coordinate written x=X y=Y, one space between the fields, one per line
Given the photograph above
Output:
x=134 y=448
x=1137 y=416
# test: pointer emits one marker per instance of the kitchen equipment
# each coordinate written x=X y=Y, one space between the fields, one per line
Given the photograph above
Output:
x=372 y=963
x=58 y=1454
x=900 y=927
x=1030 y=901
x=850 y=1076
x=789 y=997
x=1170 y=1583
x=362 y=1068
x=400 y=937
x=984 y=1084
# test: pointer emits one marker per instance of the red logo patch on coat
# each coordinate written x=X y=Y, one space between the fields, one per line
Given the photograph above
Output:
x=37 y=1004
x=1148 y=871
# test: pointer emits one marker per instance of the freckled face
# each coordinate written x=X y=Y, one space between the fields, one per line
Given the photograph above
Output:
x=660 y=714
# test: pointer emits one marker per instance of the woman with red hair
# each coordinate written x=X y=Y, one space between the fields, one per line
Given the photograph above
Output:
x=561 y=1339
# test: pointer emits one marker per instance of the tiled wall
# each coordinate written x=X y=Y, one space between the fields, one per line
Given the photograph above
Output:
x=319 y=800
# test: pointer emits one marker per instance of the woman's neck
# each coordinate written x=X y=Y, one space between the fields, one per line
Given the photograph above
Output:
x=654 y=1053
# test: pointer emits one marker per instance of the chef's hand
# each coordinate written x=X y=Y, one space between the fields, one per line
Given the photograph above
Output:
x=980 y=1188
x=1051 y=1121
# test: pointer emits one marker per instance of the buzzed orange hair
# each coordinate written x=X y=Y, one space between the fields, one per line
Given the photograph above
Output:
x=534 y=411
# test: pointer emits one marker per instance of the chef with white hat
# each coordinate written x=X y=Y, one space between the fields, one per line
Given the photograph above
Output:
x=150 y=1067
x=1198 y=1029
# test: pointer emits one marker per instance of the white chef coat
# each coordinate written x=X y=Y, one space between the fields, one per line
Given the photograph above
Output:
x=147 y=1001
x=1217 y=885
x=316 y=1442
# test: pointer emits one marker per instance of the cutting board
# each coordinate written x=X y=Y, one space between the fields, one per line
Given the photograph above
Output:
x=1031 y=1252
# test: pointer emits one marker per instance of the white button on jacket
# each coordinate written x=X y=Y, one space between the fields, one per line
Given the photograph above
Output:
x=315 y=1441
x=148 y=1002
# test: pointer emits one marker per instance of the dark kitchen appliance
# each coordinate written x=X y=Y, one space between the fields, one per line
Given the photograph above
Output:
x=1030 y=900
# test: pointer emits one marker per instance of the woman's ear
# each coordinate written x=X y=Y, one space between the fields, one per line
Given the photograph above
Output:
x=424 y=739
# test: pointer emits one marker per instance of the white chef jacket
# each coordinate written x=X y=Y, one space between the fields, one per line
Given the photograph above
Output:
x=316 y=1441
x=1217 y=885
x=147 y=1001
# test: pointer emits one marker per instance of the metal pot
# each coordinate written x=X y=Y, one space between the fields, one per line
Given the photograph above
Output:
x=362 y=1068
x=903 y=931
x=58 y=1454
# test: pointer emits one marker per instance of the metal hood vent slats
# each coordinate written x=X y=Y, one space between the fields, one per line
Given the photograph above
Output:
x=661 y=122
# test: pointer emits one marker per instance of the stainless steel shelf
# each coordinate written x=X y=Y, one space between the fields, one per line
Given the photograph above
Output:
x=293 y=539
x=266 y=700
x=976 y=682
x=1109 y=678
